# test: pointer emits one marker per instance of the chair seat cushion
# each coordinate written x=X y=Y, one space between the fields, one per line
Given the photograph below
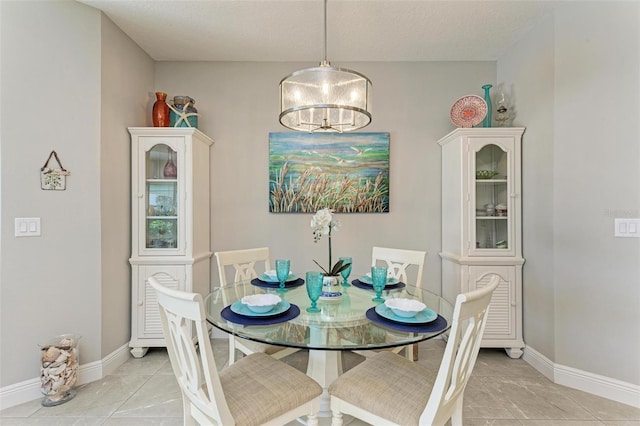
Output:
x=280 y=386
x=387 y=385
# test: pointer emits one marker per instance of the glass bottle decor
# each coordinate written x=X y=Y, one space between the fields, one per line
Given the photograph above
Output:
x=170 y=169
x=160 y=115
x=487 y=118
x=59 y=370
x=183 y=113
x=502 y=107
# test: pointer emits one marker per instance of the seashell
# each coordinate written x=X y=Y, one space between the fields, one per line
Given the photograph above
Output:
x=67 y=343
x=63 y=356
x=50 y=354
x=57 y=370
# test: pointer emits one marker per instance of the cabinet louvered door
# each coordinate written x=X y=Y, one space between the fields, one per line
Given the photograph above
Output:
x=501 y=323
x=149 y=325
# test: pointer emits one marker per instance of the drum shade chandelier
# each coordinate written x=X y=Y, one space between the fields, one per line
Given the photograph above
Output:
x=325 y=98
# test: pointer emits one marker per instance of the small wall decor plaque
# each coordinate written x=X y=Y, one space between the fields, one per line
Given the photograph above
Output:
x=53 y=178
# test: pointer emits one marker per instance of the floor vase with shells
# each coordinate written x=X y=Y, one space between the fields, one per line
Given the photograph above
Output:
x=59 y=369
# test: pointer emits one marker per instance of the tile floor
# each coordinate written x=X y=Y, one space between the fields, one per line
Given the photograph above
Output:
x=501 y=391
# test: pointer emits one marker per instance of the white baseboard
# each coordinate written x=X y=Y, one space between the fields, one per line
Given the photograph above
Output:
x=605 y=387
x=29 y=390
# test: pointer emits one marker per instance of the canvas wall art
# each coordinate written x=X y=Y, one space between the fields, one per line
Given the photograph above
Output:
x=347 y=172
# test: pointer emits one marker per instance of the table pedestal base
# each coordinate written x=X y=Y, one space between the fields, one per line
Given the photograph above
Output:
x=324 y=367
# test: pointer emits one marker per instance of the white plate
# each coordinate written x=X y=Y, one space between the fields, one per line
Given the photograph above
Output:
x=422 y=317
x=242 y=309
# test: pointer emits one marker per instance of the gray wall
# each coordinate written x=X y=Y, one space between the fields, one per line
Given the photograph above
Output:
x=71 y=81
x=576 y=79
x=238 y=103
x=50 y=100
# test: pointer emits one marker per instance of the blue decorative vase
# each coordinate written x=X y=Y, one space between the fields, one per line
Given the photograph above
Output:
x=487 y=118
x=183 y=103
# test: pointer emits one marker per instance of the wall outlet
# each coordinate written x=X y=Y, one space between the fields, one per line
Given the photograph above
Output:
x=627 y=228
x=27 y=227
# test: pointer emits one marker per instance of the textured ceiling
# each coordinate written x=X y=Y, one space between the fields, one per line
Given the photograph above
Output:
x=292 y=30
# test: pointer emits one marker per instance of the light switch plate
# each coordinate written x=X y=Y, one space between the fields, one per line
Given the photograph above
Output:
x=629 y=228
x=27 y=227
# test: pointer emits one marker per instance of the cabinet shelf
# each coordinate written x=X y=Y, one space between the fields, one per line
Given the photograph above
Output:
x=161 y=217
x=491 y=180
x=157 y=180
x=491 y=217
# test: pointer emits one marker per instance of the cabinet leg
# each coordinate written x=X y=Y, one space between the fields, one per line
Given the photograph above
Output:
x=514 y=352
x=139 y=352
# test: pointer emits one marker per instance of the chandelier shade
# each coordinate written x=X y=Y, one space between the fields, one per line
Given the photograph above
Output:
x=325 y=98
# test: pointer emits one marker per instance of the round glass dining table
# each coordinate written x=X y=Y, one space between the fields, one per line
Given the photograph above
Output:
x=350 y=322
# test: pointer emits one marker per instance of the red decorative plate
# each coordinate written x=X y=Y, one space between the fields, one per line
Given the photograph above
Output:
x=468 y=111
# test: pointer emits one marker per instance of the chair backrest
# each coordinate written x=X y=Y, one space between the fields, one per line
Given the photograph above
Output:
x=397 y=261
x=244 y=262
x=196 y=374
x=469 y=320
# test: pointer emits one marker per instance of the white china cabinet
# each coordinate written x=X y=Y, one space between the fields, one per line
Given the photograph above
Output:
x=169 y=222
x=481 y=225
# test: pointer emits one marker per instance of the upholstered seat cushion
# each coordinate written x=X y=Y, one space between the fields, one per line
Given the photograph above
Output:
x=280 y=386
x=387 y=385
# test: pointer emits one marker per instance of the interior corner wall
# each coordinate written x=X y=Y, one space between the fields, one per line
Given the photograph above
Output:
x=127 y=99
x=577 y=96
x=527 y=73
x=50 y=88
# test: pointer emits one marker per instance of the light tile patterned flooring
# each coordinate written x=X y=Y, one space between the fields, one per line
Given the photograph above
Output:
x=501 y=391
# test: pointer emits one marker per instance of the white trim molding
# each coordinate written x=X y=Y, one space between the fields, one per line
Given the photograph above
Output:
x=605 y=387
x=29 y=390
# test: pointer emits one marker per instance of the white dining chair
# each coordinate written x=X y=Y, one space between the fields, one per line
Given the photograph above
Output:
x=256 y=390
x=387 y=389
x=242 y=265
x=398 y=261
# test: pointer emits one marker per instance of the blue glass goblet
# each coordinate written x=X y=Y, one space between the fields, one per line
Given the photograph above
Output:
x=379 y=280
x=282 y=272
x=346 y=272
x=314 y=289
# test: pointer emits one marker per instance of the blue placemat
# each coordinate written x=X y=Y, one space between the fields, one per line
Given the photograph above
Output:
x=268 y=284
x=436 y=325
x=229 y=315
x=360 y=284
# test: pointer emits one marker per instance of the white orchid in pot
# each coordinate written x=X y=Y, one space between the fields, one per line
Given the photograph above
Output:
x=323 y=223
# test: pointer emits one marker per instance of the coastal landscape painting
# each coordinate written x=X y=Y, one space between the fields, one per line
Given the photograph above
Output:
x=346 y=172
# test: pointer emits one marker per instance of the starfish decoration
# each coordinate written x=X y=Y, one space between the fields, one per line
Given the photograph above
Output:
x=183 y=115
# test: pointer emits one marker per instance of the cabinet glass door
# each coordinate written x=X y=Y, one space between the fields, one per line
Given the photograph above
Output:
x=492 y=199
x=161 y=203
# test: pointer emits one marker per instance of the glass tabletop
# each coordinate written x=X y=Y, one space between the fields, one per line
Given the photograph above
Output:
x=342 y=324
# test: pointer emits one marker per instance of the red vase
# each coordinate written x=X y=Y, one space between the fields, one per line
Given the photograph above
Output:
x=160 y=111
